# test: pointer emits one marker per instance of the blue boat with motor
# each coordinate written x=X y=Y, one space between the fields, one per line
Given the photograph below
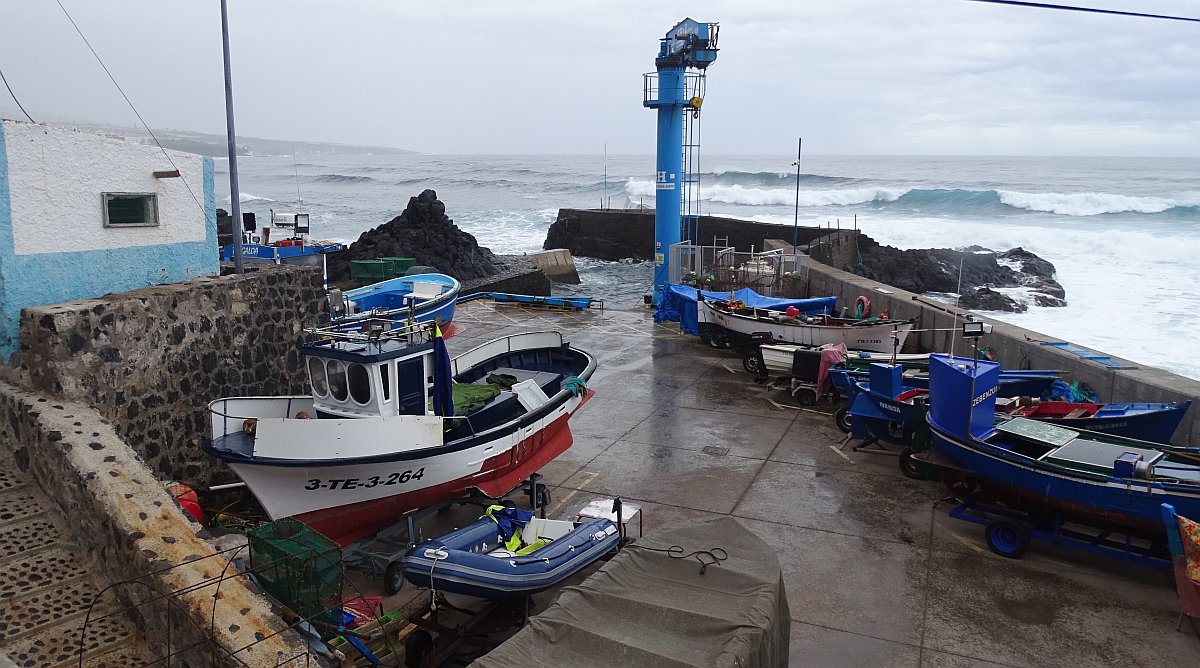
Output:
x=1041 y=479
x=1014 y=382
x=508 y=553
x=404 y=300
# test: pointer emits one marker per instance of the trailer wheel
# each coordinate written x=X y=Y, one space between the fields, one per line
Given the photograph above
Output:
x=753 y=364
x=1007 y=538
x=417 y=646
x=393 y=578
x=806 y=397
x=542 y=498
x=909 y=466
x=842 y=418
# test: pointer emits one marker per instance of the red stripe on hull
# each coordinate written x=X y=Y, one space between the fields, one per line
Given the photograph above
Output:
x=498 y=476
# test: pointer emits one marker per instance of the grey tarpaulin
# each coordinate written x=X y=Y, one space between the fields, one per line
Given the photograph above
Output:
x=645 y=608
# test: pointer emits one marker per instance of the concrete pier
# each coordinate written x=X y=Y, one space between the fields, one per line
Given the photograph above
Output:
x=876 y=573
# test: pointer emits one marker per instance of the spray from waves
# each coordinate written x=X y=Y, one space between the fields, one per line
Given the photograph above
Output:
x=1094 y=204
x=736 y=194
x=950 y=200
x=247 y=197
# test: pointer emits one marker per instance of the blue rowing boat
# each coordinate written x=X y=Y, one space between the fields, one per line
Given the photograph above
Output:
x=508 y=553
x=404 y=300
x=1092 y=478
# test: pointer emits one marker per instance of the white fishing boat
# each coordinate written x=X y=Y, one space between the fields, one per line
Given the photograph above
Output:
x=873 y=334
x=392 y=425
x=780 y=358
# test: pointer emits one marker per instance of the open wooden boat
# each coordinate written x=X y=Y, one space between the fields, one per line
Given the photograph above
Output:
x=402 y=301
x=1092 y=478
x=393 y=425
x=481 y=560
x=873 y=334
x=1154 y=422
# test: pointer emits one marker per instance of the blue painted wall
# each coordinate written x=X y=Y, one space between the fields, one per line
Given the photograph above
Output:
x=50 y=278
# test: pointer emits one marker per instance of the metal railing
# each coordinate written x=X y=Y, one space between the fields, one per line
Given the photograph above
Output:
x=774 y=273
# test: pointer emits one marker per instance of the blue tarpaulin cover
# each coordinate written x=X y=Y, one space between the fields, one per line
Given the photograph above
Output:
x=678 y=304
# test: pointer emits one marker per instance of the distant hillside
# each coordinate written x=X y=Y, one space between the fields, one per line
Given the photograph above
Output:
x=210 y=144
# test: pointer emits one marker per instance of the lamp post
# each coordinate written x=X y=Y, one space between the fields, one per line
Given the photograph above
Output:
x=796 y=220
x=235 y=198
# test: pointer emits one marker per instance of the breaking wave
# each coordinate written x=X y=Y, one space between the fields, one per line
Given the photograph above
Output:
x=341 y=178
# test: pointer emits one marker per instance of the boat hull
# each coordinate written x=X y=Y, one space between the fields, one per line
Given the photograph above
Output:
x=386 y=301
x=1147 y=422
x=978 y=471
x=883 y=337
x=347 y=501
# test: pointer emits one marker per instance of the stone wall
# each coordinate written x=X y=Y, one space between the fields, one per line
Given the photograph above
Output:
x=614 y=234
x=133 y=532
x=149 y=361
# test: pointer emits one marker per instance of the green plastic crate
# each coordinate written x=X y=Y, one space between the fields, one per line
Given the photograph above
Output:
x=398 y=265
x=369 y=269
x=297 y=565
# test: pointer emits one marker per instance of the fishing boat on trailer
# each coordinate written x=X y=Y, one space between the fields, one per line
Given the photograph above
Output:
x=1092 y=478
x=402 y=301
x=874 y=334
x=392 y=424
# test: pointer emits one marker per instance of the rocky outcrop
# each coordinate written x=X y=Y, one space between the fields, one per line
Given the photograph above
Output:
x=984 y=272
x=424 y=232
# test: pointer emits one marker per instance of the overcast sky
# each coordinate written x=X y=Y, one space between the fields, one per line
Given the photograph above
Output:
x=558 y=76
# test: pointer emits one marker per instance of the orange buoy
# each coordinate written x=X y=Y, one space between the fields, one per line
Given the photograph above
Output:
x=187 y=499
x=862 y=307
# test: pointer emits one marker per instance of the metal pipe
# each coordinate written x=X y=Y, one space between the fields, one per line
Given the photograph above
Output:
x=796 y=220
x=235 y=203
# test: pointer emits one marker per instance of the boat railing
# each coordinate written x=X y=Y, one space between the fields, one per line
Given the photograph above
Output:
x=223 y=415
x=504 y=345
x=371 y=330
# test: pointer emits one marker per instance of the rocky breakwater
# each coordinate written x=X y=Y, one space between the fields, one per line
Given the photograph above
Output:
x=991 y=280
x=423 y=232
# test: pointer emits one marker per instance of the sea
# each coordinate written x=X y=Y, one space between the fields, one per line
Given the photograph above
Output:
x=1122 y=233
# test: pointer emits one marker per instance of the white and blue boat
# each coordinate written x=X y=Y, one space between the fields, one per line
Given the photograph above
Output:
x=508 y=553
x=405 y=300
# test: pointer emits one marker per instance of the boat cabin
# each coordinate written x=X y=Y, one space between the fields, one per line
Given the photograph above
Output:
x=353 y=376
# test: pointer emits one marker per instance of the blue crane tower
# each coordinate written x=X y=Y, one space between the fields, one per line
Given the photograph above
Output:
x=677 y=95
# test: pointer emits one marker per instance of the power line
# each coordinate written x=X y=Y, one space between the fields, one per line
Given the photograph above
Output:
x=130 y=103
x=14 y=97
x=1091 y=10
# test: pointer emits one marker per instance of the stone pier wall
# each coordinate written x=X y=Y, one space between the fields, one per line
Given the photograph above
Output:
x=149 y=361
x=135 y=534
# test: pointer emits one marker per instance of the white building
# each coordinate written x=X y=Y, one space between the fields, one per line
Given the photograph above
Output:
x=83 y=215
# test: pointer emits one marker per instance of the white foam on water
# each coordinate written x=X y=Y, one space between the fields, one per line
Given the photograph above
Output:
x=1090 y=204
x=735 y=194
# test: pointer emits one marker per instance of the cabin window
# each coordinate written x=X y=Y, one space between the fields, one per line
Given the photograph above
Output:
x=337 y=379
x=360 y=384
x=383 y=375
x=316 y=374
x=130 y=210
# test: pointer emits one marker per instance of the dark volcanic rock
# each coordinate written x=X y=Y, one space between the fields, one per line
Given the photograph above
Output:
x=986 y=299
x=426 y=233
x=937 y=270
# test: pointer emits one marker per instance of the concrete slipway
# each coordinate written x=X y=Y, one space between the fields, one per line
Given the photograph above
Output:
x=876 y=573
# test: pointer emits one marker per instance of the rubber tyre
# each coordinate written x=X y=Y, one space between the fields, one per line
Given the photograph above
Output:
x=1007 y=538
x=543 y=497
x=806 y=397
x=910 y=467
x=393 y=578
x=417 y=646
x=842 y=418
x=753 y=364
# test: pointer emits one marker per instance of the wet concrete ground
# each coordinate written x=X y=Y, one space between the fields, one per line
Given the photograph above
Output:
x=876 y=573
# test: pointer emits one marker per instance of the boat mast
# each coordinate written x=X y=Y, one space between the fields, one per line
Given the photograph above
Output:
x=235 y=197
